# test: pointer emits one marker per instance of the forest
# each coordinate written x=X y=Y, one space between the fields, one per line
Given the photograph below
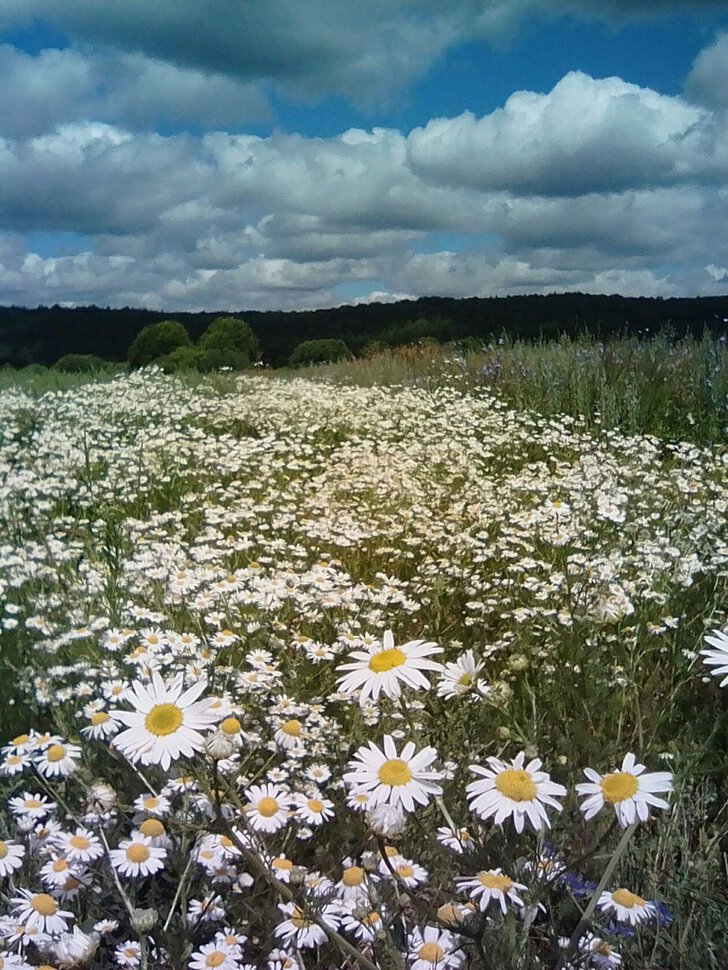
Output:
x=41 y=335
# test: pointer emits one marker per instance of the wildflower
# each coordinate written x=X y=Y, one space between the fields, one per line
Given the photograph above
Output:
x=128 y=954
x=717 y=657
x=512 y=790
x=491 y=886
x=268 y=807
x=626 y=906
x=433 y=949
x=165 y=722
x=461 y=677
x=384 y=670
x=215 y=954
x=81 y=846
x=301 y=931
x=35 y=806
x=39 y=911
x=457 y=840
x=100 y=727
x=11 y=857
x=629 y=790
x=362 y=922
x=602 y=955
x=315 y=810
x=138 y=857
x=387 y=777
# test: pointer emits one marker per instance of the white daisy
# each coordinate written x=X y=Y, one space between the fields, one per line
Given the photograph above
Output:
x=58 y=760
x=461 y=677
x=80 y=846
x=602 y=955
x=717 y=657
x=36 y=806
x=314 y=810
x=491 y=886
x=433 y=949
x=216 y=954
x=101 y=726
x=457 y=840
x=626 y=906
x=165 y=722
x=268 y=807
x=39 y=911
x=302 y=932
x=11 y=857
x=629 y=790
x=385 y=669
x=395 y=779
x=510 y=789
x=138 y=857
x=361 y=921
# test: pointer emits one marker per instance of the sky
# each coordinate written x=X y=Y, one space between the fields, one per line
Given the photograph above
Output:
x=293 y=154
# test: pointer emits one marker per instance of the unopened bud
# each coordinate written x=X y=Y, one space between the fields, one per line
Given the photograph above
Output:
x=144 y=920
x=219 y=746
x=386 y=820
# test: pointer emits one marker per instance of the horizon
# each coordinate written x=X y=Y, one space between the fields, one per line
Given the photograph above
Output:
x=156 y=157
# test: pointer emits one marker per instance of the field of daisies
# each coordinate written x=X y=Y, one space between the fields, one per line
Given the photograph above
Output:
x=299 y=674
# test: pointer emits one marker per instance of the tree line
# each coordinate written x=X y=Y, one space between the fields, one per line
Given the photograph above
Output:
x=44 y=334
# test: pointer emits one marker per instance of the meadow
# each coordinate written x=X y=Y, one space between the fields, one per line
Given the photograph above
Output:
x=404 y=662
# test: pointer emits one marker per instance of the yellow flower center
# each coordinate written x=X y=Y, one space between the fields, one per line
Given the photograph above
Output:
x=404 y=872
x=99 y=717
x=163 y=719
x=431 y=952
x=298 y=919
x=44 y=904
x=137 y=852
x=231 y=725
x=623 y=897
x=394 y=772
x=150 y=803
x=371 y=918
x=13 y=760
x=152 y=827
x=215 y=959
x=292 y=728
x=79 y=842
x=267 y=807
x=516 y=784
x=3 y=849
x=386 y=660
x=21 y=739
x=314 y=805
x=465 y=680
x=32 y=803
x=56 y=752
x=60 y=865
x=282 y=864
x=618 y=787
x=493 y=880
x=353 y=876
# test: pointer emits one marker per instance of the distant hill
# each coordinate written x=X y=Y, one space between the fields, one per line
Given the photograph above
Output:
x=44 y=334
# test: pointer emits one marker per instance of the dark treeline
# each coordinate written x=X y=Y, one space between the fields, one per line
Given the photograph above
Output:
x=44 y=334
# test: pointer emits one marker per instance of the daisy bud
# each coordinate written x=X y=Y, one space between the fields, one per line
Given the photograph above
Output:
x=386 y=820
x=144 y=920
x=102 y=797
x=219 y=746
x=297 y=875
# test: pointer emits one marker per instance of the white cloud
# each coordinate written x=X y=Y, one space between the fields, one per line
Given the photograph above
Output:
x=585 y=136
x=707 y=82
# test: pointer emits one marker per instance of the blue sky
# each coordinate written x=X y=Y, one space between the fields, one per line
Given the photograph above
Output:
x=181 y=155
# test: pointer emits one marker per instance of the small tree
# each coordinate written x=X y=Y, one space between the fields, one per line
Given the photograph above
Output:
x=227 y=342
x=157 y=340
x=80 y=363
x=182 y=358
x=318 y=352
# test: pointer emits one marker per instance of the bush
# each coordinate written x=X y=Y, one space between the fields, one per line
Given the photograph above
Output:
x=80 y=363
x=182 y=358
x=318 y=352
x=157 y=340
x=227 y=342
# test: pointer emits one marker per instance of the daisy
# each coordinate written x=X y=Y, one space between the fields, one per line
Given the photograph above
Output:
x=362 y=922
x=216 y=954
x=491 y=886
x=289 y=735
x=510 y=789
x=165 y=722
x=355 y=882
x=39 y=911
x=717 y=657
x=82 y=846
x=14 y=764
x=627 y=907
x=461 y=677
x=268 y=807
x=302 y=932
x=602 y=955
x=384 y=669
x=391 y=778
x=405 y=870
x=128 y=954
x=101 y=726
x=315 y=810
x=36 y=806
x=11 y=858
x=58 y=760
x=629 y=790
x=56 y=871
x=138 y=857
x=433 y=949
x=457 y=840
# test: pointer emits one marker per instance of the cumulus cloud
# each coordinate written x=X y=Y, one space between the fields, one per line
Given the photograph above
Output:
x=707 y=82
x=586 y=135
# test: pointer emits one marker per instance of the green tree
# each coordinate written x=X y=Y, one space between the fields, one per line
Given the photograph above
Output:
x=227 y=342
x=157 y=340
x=318 y=352
x=80 y=363
x=182 y=358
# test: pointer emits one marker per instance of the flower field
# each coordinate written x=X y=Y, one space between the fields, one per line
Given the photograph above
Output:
x=303 y=674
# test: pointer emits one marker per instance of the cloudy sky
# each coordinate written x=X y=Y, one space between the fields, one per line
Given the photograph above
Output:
x=233 y=154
